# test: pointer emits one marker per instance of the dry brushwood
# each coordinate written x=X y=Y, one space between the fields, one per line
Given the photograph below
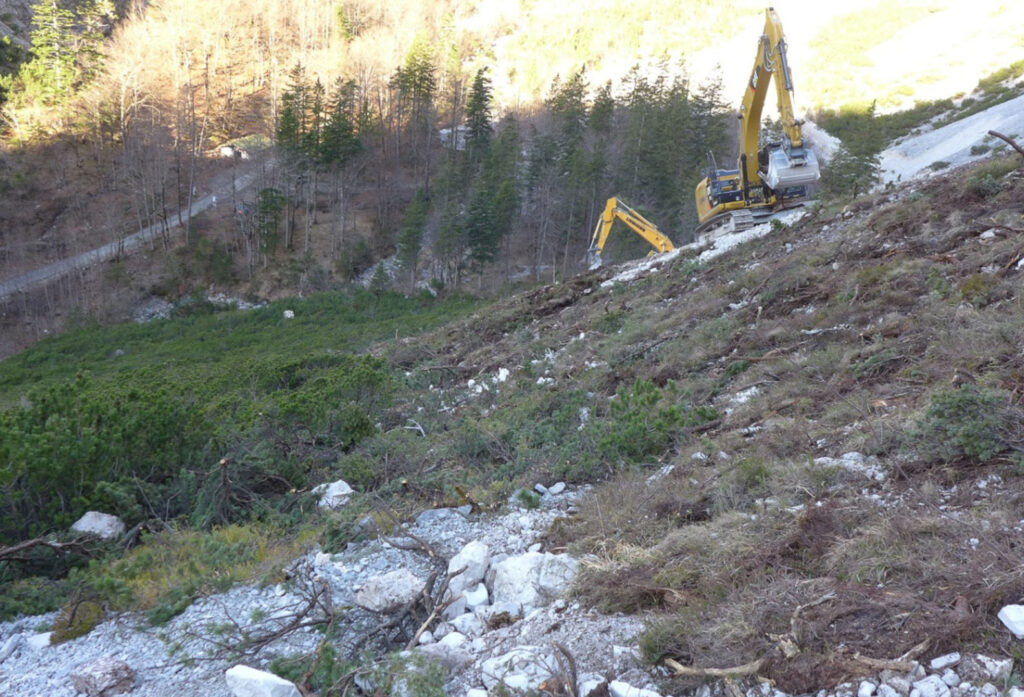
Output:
x=696 y=672
x=16 y=552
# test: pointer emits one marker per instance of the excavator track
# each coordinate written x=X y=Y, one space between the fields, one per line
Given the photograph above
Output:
x=725 y=223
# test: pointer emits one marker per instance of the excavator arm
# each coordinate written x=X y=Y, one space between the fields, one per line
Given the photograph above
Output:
x=764 y=177
x=789 y=165
x=616 y=209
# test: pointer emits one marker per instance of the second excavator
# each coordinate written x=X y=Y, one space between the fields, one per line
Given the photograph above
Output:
x=616 y=209
x=766 y=178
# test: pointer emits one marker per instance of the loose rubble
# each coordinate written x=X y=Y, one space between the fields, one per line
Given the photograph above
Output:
x=506 y=625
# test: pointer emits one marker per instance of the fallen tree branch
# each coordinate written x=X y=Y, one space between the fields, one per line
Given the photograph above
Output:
x=14 y=552
x=694 y=672
x=1009 y=141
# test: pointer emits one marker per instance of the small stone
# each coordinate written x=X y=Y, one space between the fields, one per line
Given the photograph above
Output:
x=1013 y=617
x=988 y=690
x=556 y=488
x=950 y=677
x=898 y=683
x=945 y=661
x=476 y=692
x=289 y=314
x=468 y=624
x=917 y=672
x=866 y=688
x=103 y=677
x=535 y=547
x=1016 y=692
x=10 y=646
x=453 y=639
x=38 y=641
x=885 y=690
x=589 y=683
x=540 y=488
x=426 y=637
x=617 y=688
x=476 y=597
x=931 y=686
x=333 y=495
x=998 y=669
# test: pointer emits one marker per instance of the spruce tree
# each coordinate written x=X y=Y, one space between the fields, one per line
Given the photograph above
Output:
x=478 y=116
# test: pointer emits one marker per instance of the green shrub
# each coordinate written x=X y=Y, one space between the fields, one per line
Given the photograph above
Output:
x=642 y=424
x=77 y=618
x=968 y=422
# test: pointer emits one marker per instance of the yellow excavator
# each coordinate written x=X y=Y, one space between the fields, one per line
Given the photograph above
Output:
x=767 y=178
x=616 y=209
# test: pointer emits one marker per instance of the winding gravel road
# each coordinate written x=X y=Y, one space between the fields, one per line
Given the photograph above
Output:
x=57 y=269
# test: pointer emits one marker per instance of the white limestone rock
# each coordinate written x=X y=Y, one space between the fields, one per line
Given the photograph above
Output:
x=945 y=661
x=522 y=668
x=249 y=682
x=333 y=495
x=38 y=641
x=932 y=686
x=390 y=591
x=886 y=690
x=591 y=684
x=1013 y=617
x=476 y=597
x=103 y=677
x=556 y=488
x=468 y=624
x=980 y=669
x=617 y=688
x=866 y=688
x=475 y=557
x=12 y=644
x=451 y=657
x=534 y=578
x=102 y=525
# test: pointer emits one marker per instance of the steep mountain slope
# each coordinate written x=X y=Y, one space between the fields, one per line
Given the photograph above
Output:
x=804 y=450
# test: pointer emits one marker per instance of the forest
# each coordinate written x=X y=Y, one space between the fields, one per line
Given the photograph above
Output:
x=376 y=131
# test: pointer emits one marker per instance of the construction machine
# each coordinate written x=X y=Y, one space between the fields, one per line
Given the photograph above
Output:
x=616 y=209
x=767 y=178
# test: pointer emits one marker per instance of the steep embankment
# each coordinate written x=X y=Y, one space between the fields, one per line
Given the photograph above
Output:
x=804 y=450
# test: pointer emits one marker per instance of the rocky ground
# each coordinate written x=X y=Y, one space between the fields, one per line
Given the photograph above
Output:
x=510 y=628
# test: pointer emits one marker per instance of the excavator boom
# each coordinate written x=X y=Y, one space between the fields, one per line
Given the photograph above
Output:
x=616 y=209
x=769 y=176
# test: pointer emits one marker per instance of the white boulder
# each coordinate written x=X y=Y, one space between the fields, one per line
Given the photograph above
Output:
x=333 y=495
x=103 y=677
x=533 y=578
x=390 y=591
x=249 y=682
x=1013 y=617
x=474 y=558
x=12 y=644
x=103 y=525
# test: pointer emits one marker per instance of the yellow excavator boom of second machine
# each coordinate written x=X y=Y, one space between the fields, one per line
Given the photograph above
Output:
x=615 y=208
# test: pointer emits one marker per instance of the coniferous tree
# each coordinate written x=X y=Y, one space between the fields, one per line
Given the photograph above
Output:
x=410 y=234
x=478 y=116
